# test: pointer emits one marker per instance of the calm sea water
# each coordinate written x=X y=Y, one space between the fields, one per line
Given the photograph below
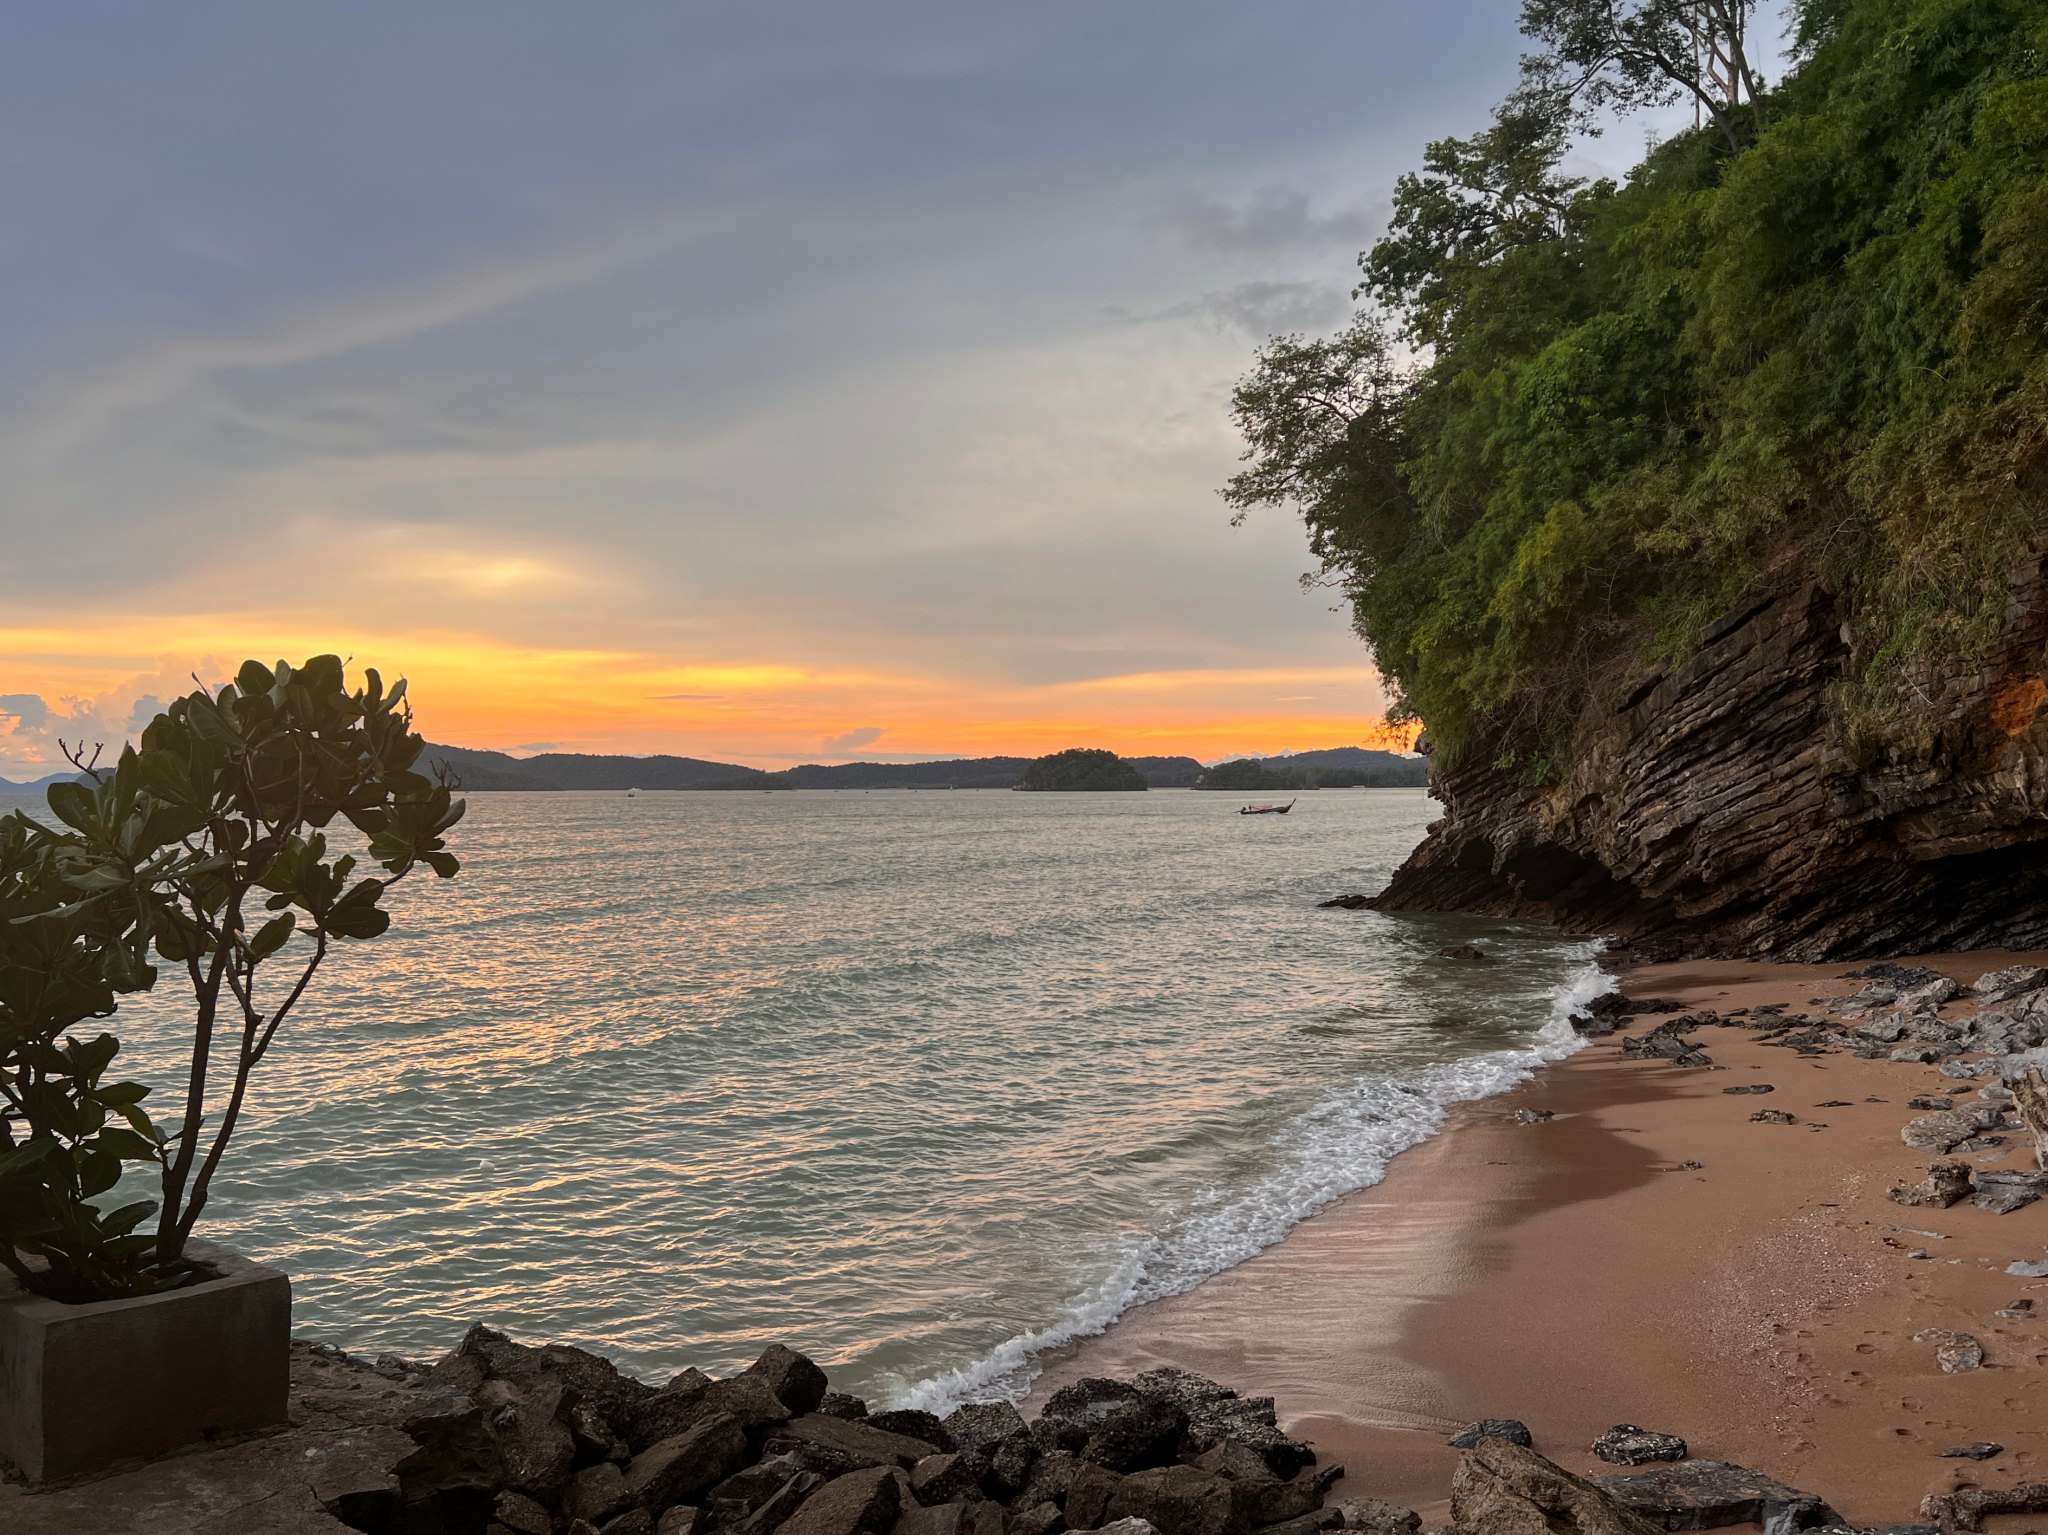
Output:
x=919 y=1082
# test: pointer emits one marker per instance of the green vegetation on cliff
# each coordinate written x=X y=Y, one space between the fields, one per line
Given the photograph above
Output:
x=1581 y=416
x=1081 y=770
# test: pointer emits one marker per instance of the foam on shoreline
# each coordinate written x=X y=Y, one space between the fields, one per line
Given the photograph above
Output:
x=1342 y=1145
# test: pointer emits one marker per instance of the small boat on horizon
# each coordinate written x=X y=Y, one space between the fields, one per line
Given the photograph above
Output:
x=1266 y=809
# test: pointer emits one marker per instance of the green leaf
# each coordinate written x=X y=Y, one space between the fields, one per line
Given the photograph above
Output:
x=272 y=936
x=118 y=1223
x=72 y=803
x=127 y=1145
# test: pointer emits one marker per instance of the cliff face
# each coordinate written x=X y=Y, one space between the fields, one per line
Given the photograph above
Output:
x=1716 y=808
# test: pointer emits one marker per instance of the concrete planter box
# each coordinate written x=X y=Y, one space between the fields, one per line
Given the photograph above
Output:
x=84 y=1386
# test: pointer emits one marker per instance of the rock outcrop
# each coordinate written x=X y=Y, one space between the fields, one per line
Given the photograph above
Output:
x=1720 y=806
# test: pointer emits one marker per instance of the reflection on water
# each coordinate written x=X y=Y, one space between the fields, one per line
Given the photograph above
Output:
x=912 y=1080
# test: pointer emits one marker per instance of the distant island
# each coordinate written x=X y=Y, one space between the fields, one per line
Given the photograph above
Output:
x=1081 y=771
x=486 y=771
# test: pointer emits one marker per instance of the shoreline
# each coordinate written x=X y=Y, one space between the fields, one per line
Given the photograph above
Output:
x=1577 y=1274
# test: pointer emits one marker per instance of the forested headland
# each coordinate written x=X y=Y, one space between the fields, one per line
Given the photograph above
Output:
x=1574 y=418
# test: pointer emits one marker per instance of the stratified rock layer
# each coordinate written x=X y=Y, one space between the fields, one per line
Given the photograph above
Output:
x=1721 y=807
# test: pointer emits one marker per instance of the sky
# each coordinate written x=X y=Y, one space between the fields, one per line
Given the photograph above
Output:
x=768 y=381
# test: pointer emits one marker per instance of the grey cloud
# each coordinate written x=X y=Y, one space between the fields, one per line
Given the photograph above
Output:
x=1261 y=309
x=147 y=708
x=27 y=708
x=1274 y=219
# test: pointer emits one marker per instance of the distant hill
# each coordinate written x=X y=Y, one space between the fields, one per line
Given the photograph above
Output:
x=35 y=785
x=486 y=771
x=1338 y=767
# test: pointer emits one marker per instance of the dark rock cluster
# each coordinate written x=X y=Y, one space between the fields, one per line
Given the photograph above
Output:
x=553 y=1440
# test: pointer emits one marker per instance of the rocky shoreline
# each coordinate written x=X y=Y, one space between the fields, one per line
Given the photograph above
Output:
x=500 y=1438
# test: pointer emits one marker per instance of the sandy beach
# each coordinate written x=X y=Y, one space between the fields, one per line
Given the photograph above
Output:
x=1650 y=1255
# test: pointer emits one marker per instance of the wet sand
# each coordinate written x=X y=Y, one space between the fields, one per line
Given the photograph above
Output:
x=1583 y=1272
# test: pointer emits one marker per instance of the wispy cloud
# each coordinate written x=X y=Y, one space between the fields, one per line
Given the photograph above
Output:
x=852 y=741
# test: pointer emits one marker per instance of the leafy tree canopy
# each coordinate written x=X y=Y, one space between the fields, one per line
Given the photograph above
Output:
x=1578 y=417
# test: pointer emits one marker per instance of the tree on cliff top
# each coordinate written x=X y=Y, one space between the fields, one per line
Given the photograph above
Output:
x=1812 y=334
x=1081 y=770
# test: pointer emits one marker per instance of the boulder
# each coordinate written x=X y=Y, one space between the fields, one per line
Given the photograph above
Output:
x=1946 y=1183
x=535 y=1450
x=1089 y=1493
x=837 y=1404
x=1216 y=1413
x=863 y=1502
x=634 y=1521
x=1073 y=1412
x=2004 y=1190
x=1267 y=1502
x=1513 y=1430
x=2004 y=985
x=1772 y=1117
x=1626 y=1444
x=1049 y=1478
x=1129 y=1527
x=1943 y=1132
x=772 y=1512
x=1113 y=1424
x=685 y=1466
x=944 y=1479
x=915 y=1424
x=1037 y=1519
x=1534 y=1116
x=1136 y=1435
x=521 y=1515
x=751 y=1487
x=858 y=1444
x=1955 y=1352
x=680 y=1520
x=994 y=1440
x=1236 y=1462
x=1506 y=1489
x=452 y=1449
x=1981 y=1450
x=1708 y=1494
x=1262 y=1497
x=596 y=1493
x=791 y=1379
x=1178 y=1500
x=1967 y=1509
x=1372 y=1516
x=1749 y=1089
x=552 y=1371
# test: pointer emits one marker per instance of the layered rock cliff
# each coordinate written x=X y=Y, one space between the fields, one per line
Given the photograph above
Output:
x=1720 y=806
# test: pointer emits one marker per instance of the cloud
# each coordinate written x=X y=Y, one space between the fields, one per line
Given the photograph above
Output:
x=685 y=698
x=146 y=708
x=28 y=709
x=853 y=740
x=1275 y=219
x=1262 y=309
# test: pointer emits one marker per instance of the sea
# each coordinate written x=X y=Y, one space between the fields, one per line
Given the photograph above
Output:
x=922 y=1083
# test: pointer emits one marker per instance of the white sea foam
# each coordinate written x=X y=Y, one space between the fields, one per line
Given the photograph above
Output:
x=1344 y=1144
